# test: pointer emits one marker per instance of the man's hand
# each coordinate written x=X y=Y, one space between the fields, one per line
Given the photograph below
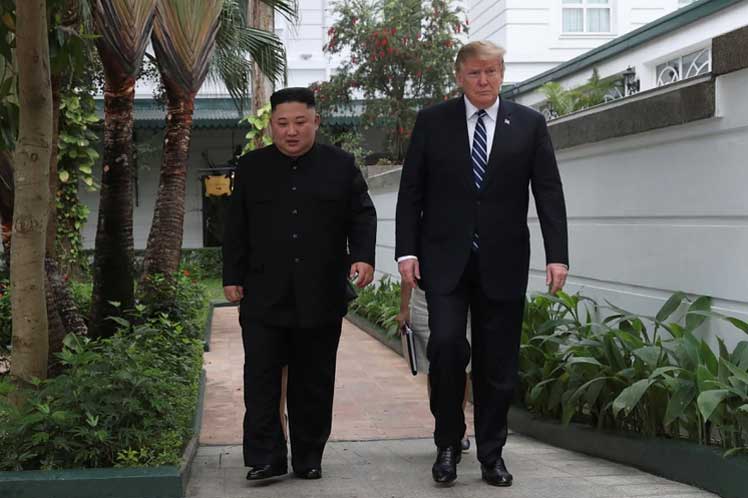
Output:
x=410 y=271
x=402 y=318
x=233 y=293
x=555 y=276
x=365 y=273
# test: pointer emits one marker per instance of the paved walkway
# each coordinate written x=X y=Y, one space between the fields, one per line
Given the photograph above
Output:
x=382 y=446
x=376 y=397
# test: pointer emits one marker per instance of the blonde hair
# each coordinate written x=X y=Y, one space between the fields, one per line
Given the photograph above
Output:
x=480 y=49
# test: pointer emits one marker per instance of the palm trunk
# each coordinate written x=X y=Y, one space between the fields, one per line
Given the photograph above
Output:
x=33 y=150
x=262 y=17
x=164 y=247
x=113 y=253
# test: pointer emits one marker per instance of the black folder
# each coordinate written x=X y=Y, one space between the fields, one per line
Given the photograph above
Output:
x=409 y=347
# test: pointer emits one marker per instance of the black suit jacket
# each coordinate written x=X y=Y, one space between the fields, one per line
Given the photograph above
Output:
x=439 y=207
x=296 y=226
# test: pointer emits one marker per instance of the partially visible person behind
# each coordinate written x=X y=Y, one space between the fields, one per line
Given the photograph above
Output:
x=414 y=313
x=300 y=224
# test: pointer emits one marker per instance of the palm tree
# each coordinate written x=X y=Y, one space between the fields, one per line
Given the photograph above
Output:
x=124 y=27
x=186 y=35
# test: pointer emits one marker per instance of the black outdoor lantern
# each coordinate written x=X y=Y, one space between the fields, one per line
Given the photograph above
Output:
x=630 y=81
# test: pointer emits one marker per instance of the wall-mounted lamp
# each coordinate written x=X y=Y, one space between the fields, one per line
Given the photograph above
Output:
x=630 y=81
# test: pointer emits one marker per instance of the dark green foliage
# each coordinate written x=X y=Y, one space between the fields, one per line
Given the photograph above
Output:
x=128 y=400
x=379 y=304
x=6 y=329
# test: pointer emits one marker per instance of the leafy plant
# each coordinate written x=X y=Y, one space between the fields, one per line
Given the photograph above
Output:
x=127 y=400
x=397 y=55
x=76 y=158
x=629 y=372
x=257 y=136
x=379 y=304
x=592 y=93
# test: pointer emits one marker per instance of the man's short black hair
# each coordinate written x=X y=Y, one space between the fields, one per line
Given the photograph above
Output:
x=292 y=94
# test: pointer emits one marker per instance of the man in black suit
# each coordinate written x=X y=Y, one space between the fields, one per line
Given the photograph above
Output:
x=299 y=215
x=461 y=233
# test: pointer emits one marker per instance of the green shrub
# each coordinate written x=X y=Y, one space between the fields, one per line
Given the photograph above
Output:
x=379 y=304
x=180 y=298
x=128 y=400
x=629 y=372
x=206 y=262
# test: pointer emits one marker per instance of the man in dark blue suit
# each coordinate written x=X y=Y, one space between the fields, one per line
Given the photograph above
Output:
x=462 y=235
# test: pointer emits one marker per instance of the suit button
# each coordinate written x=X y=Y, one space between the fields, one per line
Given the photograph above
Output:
x=297 y=260
x=295 y=211
x=295 y=236
x=294 y=168
x=293 y=188
x=477 y=203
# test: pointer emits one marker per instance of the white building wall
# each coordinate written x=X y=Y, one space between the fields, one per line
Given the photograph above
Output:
x=531 y=30
x=661 y=211
x=645 y=58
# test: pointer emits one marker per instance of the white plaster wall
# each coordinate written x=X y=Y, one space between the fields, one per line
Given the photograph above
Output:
x=645 y=58
x=208 y=146
x=531 y=30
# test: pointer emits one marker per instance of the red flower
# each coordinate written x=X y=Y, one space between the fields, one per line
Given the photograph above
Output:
x=384 y=42
x=186 y=273
x=389 y=50
x=330 y=31
x=394 y=30
x=354 y=20
x=381 y=53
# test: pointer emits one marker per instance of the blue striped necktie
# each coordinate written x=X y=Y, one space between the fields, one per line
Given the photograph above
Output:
x=479 y=156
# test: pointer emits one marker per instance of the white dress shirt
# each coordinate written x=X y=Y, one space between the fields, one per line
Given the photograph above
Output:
x=489 y=121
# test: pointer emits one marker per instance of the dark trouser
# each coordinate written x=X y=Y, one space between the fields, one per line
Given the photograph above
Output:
x=496 y=330
x=310 y=354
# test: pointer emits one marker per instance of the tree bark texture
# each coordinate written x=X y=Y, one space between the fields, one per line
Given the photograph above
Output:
x=32 y=156
x=163 y=252
x=113 y=254
x=262 y=17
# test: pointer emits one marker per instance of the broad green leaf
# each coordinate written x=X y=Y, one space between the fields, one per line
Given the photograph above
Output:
x=680 y=400
x=694 y=320
x=537 y=389
x=709 y=401
x=741 y=374
x=630 y=397
x=740 y=355
x=738 y=323
x=64 y=176
x=709 y=358
x=670 y=306
x=650 y=355
x=584 y=360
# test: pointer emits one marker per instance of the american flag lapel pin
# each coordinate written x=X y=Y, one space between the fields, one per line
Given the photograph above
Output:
x=507 y=122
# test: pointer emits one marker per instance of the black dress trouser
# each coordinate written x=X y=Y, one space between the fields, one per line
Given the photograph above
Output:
x=496 y=328
x=310 y=354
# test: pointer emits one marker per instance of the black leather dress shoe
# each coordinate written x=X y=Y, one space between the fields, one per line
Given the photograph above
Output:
x=257 y=472
x=465 y=443
x=313 y=473
x=496 y=474
x=444 y=470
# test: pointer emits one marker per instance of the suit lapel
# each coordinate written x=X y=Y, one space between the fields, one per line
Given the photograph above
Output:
x=502 y=137
x=462 y=143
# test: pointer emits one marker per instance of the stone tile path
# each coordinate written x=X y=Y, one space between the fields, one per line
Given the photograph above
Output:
x=382 y=446
x=376 y=397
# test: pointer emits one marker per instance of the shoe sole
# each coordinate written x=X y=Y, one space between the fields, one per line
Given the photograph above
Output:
x=497 y=484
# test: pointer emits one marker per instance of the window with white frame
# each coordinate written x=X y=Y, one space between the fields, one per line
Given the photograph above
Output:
x=586 y=16
x=687 y=66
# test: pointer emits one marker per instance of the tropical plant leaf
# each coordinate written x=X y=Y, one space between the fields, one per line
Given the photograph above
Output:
x=709 y=401
x=695 y=316
x=650 y=355
x=184 y=34
x=670 y=306
x=630 y=397
x=681 y=399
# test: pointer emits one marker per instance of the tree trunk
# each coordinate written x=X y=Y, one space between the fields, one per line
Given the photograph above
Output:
x=262 y=17
x=113 y=253
x=164 y=247
x=33 y=152
x=64 y=316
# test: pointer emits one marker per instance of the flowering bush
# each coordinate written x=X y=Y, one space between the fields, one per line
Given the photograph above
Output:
x=398 y=55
